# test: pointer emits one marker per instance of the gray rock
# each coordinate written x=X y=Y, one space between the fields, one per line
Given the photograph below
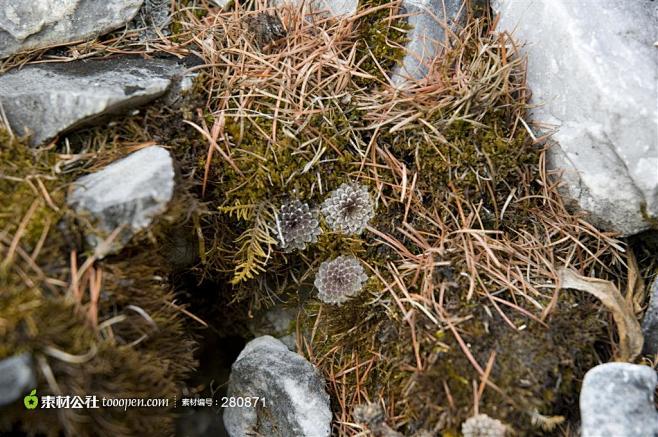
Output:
x=33 y=24
x=593 y=69
x=17 y=378
x=221 y=3
x=429 y=20
x=48 y=99
x=616 y=399
x=296 y=403
x=335 y=8
x=128 y=193
x=153 y=19
x=650 y=321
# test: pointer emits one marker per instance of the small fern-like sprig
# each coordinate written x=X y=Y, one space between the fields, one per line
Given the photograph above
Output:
x=255 y=244
x=239 y=211
x=547 y=423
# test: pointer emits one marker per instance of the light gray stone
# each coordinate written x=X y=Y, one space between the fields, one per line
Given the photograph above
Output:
x=650 y=321
x=429 y=20
x=33 y=24
x=335 y=8
x=17 y=378
x=153 y=19
x=48 y=99
x=296 y=403
x=593 y=72
x=616 y=399
x=221 y=3
x=128 y=193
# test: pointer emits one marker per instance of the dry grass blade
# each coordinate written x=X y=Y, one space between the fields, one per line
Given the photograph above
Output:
x=630 y=332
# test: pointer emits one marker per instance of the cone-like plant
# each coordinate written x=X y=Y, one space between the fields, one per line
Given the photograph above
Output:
x=297 y=225
x=483 y=426
x=339 y=279
x=348 y=209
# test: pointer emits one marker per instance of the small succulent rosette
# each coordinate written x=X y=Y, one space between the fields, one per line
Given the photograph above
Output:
x=348 y=209
x=297 y=225
x=483 y=426
x=339 y=279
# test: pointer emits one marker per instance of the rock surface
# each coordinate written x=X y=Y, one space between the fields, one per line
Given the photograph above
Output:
x=128 y=193
x=650 y=321
x=296 y=402
x=220 y=3
x=335 y=8
x=48 y=99
x=429 y=20
x=17 y=378
x=593 y=67
x=616 y=399
x=33 y=24
x=153 y=19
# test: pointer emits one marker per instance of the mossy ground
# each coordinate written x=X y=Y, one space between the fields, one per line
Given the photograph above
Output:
x=116 y=333
x=460 y=313
x=462 y=207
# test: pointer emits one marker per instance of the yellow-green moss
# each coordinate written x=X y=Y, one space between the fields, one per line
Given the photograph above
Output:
x=537 y=369
x=40 y=314
x=652 y=220
x=25 y=178
x=380 y=38
x=263 y=173
x=479 y=163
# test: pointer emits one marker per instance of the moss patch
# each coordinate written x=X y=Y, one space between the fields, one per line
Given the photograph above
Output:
x=127 y=342
x=381 y=39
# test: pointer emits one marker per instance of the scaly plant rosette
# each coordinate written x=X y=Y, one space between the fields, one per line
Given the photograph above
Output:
x=339 y=279
x=483 y=426
x=297 y=225
x=348 y=209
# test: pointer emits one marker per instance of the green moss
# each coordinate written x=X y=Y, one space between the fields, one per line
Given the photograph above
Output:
x=263 y=173
x=536 y=370
x=367 y=346
x=470 y=155
x=277 y=169
x=27 y=184
x=145 y=353
x=380 y=38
